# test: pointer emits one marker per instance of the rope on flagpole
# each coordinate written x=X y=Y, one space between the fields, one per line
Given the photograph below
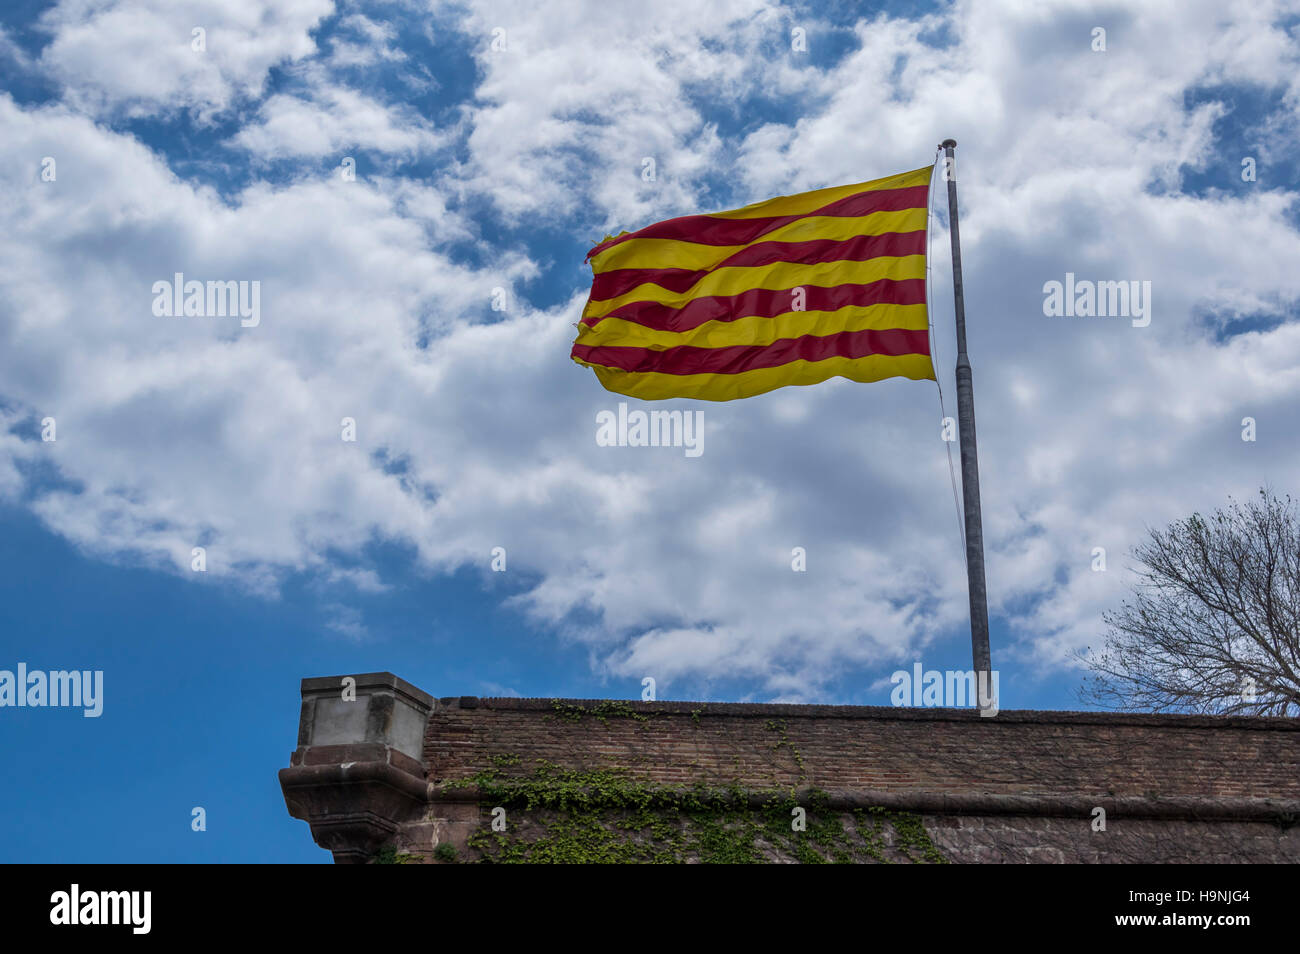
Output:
x=934 y=356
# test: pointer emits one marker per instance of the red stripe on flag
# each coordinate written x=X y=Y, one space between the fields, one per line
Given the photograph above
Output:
x=765 y=303
x=736 y=359
x=860 y=248
x=711 y=230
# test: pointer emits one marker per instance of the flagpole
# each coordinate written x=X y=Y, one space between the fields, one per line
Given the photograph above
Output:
x=970 y=473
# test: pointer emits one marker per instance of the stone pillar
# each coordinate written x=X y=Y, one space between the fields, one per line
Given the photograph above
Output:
x=358 y=775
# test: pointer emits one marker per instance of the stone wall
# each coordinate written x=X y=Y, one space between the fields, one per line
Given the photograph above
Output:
x=1019 y=786
x=877 y=748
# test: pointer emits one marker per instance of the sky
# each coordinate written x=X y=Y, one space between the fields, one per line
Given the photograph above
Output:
x=414 y=187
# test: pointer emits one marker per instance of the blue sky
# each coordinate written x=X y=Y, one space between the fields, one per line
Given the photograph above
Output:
x=480 y=169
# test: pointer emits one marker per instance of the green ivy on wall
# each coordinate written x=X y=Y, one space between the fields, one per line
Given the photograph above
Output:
x=570 y=816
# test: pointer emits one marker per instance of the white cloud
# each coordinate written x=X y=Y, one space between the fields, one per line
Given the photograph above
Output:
x=575 y=98
x=12 y=51
x=373 y=43
x=137 y=58
x=332 y=120
x=346 y=621
x=184 y=430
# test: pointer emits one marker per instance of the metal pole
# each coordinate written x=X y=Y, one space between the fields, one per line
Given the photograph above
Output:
x=970 y=473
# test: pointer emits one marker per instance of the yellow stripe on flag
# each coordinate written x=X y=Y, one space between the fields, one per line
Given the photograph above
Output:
x=649 y=386
x=806 y=202
x=675 y=253
x=789 y=291
x=779 y=277
x=760 y=330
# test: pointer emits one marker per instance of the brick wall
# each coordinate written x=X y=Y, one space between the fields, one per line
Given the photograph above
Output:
x=1021 y=786
x=877 y=749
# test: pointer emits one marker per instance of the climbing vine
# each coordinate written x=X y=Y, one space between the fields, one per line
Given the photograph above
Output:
x=389 y=855
x=601 y=711
x=609 y=816
x=778 y=726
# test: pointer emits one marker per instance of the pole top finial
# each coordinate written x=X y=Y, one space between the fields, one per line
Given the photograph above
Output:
x=948 y=144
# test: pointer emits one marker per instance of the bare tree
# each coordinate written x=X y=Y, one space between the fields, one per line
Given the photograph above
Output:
x=1214 y=622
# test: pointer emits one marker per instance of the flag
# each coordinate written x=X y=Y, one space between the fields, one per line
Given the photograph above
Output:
x=793 y=290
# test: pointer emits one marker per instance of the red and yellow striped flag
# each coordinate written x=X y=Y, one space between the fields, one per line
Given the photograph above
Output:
x=793 y=290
